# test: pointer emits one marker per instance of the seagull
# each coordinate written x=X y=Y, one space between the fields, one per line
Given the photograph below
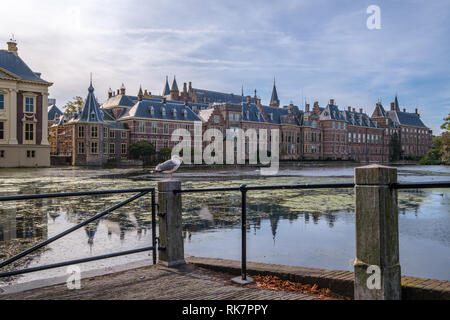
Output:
x=170 y=166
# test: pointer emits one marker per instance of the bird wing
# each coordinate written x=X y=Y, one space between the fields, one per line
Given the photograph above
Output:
x=166 y=166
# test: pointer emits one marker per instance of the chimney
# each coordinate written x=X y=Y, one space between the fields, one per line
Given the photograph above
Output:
x=307 y=107
x=184 y=87
x=316 y=105
x=118 y=92
x=164 y=100
x=349 y=108
x=145 y=92
x=417 y=111
x=249 y=99
x=392 y=106
x=332 y=102
x=291 y=105
x=12 y=47
x=122 y=89
x=354 y=110
x=404 y=109
x=190 y=86
x=110 y=93
x=360 y=110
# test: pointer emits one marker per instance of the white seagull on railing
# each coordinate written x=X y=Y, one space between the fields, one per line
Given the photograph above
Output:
x=170 y=166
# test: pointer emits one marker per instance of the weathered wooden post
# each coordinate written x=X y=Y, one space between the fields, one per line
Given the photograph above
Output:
x=170 y=224
x=377 y=264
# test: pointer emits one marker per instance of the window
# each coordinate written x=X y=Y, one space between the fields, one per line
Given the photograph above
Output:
x=124 y=148
x=141 y=126
x=166 y=144
x=166 y=128
x=105 y=132
x=2 y=130
x=92 y=116
x=163 y=111
x=314 y=124
x=80 y=132
x=2 y=102
x=124 y=134
x=29 y=131
x=112 y=134
x=112 y=148
x=94 y=147
x=31 y=153
x=345 y=126
x=2 y=153
x=334 y=125
x=29 y=104
x=94 y=132
x=154 y=127
x=81 y=147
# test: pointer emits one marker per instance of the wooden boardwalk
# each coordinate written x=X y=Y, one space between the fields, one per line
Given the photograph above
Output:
x=158 y=283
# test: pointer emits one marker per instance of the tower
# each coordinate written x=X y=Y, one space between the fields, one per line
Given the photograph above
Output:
x=274 y=101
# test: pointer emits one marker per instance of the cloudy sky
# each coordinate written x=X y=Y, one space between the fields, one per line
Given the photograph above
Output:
x=318 y=49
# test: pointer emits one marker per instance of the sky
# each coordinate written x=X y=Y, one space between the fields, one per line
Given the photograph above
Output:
x=316 y=49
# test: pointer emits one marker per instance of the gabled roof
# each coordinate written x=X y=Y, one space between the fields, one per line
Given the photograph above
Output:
x=379 y=111
x=53 y=111
x=14 y=64
x=250 y=112
x=120 y=100
x=406 y=118
x=158 y=110
x=91 y=111
x=331 y=112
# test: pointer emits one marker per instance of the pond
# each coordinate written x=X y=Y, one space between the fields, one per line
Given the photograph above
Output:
x=310 y=228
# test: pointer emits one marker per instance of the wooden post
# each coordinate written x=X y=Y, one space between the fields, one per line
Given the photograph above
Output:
x=377 y=264
x=170 y=224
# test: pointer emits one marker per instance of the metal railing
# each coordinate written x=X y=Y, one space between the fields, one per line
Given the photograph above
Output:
x=244 y=189
x=140 y=193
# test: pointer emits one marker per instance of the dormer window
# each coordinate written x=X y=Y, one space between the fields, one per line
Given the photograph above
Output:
x=174 y=112
x=163 y=111
x=248 y=115
x=152 y=110
x=271 y=116
x=92 y=116
x=185 y=113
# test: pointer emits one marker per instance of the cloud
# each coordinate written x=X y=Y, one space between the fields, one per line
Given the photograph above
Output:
x=322 y=48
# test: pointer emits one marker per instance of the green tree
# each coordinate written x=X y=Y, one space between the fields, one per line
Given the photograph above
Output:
x=142 y=150
x=446 y=125
x=165 y=154
x=74 y=106
x=434 y=156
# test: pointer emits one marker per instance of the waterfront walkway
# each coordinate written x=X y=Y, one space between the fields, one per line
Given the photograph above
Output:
x=157 y=282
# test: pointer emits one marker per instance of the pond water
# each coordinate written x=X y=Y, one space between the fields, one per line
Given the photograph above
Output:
x=310 y=228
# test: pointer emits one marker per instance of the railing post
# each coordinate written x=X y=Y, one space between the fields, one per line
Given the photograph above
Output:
x=243 y=279
x=377 y=264
x=154 y=244
x=170 y=224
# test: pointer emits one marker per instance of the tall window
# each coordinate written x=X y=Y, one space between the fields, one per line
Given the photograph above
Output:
x=94 y=147
x=2 y=130
x=141 y=126
x=29 y=132
x=166 y=128
x=154 y=127
x=94 y=132
x=124 y=134
x=166 y=144
x=2 y=102
x=81 y=147
x=124 y=148
x=112 y=148
x=29 y=104
x=81 y=132
x=105 y=132
x=112 y=134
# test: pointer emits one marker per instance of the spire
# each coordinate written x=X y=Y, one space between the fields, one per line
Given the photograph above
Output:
x=274 y=101
x=397 y=107
x=91 y=111
x=166 y=90
x=140 y=93
x=174 y=85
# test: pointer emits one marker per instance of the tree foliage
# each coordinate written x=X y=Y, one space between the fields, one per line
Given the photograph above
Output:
x=165 y=153
x=76 y=105
x=446 y=125
x=141 y=149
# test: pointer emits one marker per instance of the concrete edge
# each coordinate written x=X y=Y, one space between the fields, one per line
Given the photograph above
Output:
x=48 y=282
x=338 y=281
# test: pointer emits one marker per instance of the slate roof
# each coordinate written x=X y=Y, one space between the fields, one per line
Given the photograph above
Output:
x=166 y=90
x=250 y=112
x=209 y=96
x=406 y=118
x=119 y=101
x=277 y=114
x=174 y=85
x=274 y=97
x=358 y=119
x=52 y=112
x=15 y=65
x=91 y=111
x=155 y=110
x=379 y=111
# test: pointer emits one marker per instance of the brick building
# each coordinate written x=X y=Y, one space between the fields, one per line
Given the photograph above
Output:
x=320 y=133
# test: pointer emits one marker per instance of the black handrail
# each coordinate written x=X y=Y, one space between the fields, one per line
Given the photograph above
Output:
x=340 y=185
x=142 y=192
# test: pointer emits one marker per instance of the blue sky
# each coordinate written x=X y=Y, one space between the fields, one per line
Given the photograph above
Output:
x=322 y=48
